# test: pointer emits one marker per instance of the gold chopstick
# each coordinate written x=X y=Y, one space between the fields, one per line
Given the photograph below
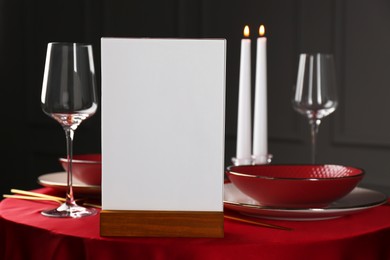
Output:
x=29 y=198
x=36 y=194
x=261 y=224
x=29 y=195
x=87 y=204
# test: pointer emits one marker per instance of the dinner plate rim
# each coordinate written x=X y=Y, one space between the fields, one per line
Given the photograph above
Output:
x=61 y=185
x=331 y=211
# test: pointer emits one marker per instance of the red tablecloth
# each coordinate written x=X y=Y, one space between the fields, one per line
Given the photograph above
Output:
x=25 y=234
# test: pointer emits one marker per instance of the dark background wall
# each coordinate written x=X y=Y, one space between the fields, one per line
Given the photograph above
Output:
x=357 y=32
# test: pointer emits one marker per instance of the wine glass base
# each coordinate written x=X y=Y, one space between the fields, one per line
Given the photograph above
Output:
x=69 y=211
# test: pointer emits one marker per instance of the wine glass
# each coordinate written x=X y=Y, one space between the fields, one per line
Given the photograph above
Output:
x=69 y=96
x=315 y=91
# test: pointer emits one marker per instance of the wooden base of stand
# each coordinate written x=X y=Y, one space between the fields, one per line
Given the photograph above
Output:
x=161 y=223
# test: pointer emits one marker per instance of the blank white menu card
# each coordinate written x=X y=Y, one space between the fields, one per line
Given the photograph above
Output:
x=163 y=109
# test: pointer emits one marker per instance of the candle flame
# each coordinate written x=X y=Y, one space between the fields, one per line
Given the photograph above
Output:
x=261 y=30
x=246 y=31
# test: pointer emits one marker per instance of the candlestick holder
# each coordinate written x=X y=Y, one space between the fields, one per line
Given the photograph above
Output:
x=242 y=161
x=253 y=160
x=261 y=159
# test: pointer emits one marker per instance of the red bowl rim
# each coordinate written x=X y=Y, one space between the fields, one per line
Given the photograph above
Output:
x=358 y=175
x=63 y=159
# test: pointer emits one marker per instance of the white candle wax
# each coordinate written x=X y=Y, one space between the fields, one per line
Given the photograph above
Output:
x=260 y=131
x=243 y=155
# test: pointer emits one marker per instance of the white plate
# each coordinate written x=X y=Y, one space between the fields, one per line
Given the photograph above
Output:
x=357 y=200
x=57 y=181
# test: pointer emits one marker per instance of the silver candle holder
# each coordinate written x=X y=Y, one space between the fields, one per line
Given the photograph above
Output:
x=253 y=160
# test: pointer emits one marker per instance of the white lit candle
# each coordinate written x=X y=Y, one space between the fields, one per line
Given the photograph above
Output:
x=260 y=131
x=244 y=137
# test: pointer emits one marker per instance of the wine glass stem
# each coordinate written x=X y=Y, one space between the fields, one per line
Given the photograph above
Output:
x=314 y=124
x=69 y=132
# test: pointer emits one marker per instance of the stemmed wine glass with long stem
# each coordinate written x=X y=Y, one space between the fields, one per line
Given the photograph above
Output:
x=315 y=94
x=69 y=96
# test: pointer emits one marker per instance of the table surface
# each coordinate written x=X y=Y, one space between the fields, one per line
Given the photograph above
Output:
x=26 y=234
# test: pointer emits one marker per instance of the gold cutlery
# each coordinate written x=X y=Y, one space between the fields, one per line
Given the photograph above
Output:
x=29 y=195
x=36 y=194
x=29 y=198
x=257 y=223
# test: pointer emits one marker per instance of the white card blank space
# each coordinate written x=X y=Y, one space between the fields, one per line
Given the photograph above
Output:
x=163 y=124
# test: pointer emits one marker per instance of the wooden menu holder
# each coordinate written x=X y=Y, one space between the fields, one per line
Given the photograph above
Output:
x=163 y=104
x=161 y=223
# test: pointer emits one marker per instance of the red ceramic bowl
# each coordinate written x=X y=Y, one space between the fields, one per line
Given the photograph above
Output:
x=295 y=186
x=86 y=167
